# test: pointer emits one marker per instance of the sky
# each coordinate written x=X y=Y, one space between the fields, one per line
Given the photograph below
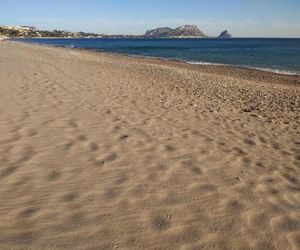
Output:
x=243 y=18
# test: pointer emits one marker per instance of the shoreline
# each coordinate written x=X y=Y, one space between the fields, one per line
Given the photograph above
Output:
x=268 y=70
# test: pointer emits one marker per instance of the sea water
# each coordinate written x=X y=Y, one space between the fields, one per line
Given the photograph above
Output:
x=280 y=55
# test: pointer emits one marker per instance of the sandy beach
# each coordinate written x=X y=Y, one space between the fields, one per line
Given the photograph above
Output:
x=103 y=151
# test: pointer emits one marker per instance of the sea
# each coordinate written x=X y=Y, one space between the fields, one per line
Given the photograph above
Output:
x=280 y=55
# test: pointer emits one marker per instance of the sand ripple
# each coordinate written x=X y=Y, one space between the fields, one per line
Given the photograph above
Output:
x=105 y=152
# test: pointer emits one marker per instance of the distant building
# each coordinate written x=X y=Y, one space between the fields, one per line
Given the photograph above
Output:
x=27 y=28
x=7 y=27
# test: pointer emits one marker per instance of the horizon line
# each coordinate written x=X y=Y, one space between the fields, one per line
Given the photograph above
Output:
x=128 y=34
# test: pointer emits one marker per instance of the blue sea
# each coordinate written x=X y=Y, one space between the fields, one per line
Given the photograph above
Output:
x=271 y=54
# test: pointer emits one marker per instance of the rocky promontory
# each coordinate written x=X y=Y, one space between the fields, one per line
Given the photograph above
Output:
x=182 y=31
x=225 y=34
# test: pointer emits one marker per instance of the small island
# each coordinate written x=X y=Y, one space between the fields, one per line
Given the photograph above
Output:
x=225 y=34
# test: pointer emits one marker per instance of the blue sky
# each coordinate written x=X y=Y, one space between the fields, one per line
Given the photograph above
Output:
x=243 y=18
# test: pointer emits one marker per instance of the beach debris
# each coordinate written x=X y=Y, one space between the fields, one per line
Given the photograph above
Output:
x=249 y=109
x=123 y=137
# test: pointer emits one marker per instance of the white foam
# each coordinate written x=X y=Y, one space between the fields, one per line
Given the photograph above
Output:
x=277 y=71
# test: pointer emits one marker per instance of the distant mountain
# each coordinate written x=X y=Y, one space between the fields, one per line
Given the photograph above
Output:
x=182 y=31
x=159 y=32
x=225 y=34
x=189 y=30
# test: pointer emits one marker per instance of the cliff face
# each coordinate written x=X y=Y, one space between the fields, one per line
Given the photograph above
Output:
x=159 y=32
x=182 y=31
x=225 y=34
x=188 y=30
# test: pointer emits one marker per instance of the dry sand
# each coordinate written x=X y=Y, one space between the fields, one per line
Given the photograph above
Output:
x=100 y=151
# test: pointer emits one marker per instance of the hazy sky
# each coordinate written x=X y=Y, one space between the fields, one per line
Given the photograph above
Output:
x=243 y=18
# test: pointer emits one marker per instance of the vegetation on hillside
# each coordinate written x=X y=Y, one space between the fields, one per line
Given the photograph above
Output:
x=27 y=33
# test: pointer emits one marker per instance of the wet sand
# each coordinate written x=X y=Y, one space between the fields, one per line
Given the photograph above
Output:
x=102 y=151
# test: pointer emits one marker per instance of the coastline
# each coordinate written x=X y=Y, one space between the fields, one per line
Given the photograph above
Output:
x=267 y=69
x=214 y=68
x=102 y=151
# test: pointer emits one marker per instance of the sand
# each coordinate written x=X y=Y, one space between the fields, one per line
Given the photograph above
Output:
x=102 y=151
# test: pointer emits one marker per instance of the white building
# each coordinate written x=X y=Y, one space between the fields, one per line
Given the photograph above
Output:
x=27 y=28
